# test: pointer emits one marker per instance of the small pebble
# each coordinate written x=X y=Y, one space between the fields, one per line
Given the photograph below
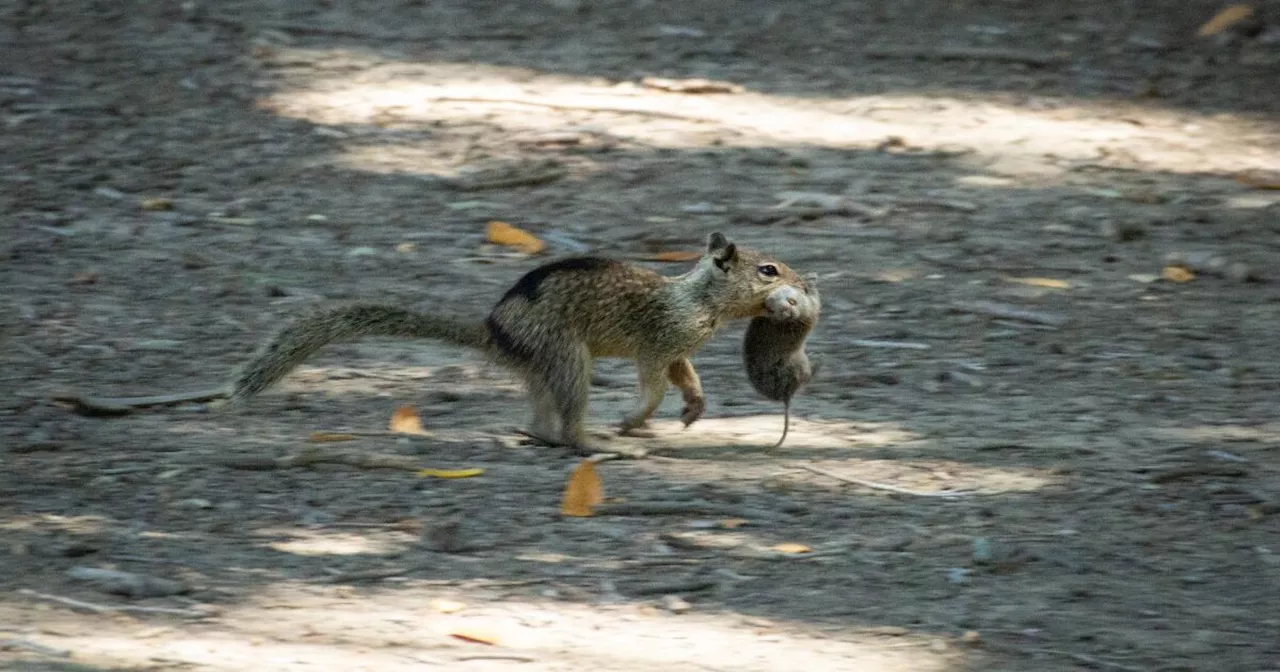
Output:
x=194 y=503
x=982 y=552
x=445 y=537
x=675 y=604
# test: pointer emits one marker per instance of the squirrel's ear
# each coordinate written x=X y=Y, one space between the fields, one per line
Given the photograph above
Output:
x=721 y=250
x=725 y=256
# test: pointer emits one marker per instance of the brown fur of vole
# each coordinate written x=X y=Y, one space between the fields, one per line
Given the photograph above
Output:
x=773 y=348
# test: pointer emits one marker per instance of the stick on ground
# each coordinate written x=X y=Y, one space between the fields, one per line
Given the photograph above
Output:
x=113 y=609
x=693 y=507
x=100 y=406
x=1035 y=58
x=879 y=486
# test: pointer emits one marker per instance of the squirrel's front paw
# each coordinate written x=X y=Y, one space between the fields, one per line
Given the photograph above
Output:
x=693 y=409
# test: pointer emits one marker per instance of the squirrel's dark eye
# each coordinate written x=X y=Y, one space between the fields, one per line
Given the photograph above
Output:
x=768 y=270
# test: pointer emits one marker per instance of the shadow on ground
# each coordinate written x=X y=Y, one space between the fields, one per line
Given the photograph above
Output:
x=178 y=184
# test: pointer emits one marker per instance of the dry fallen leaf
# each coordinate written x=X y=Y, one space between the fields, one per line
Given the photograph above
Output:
x=1177 y=274
x=157 y=204
x=502 y=233
x=583 y=491
x=1042 y=282
x=1229 y=16
x=1260 y=179
x=330 y=437
x=449 y=473
x=405 y=421
x=675 y=255
x=791 y=547
x=477 y=636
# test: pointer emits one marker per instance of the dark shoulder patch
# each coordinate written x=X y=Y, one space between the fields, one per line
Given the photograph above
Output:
x=527 y=286
x=507 y=345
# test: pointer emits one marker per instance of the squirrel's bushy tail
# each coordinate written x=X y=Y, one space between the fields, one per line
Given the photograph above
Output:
x=295 y=343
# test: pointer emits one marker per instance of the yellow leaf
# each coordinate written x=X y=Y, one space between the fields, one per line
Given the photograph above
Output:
x=731 y=523
x=447 y=606
x=1177 y=274
x=330 y=437
x=502 y=233
x=675 y=255
x=405 y=421
x=1229 y=16
x=449 y=473
x=791 y=547
x=157 y=204
x=583 y=491
x=1042 y=282
x=477 y=636
x=1260 y=179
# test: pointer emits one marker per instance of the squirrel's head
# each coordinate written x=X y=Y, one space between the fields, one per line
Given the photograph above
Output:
x=741 y=279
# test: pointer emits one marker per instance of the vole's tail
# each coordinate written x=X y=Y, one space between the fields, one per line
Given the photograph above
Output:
x=296 y=342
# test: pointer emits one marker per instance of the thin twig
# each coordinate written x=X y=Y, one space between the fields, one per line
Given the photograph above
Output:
x=944 y=203
x=34 y=647
x=532 y=179
x=577 y=107
x=318 y=455
x=1035 y=58
x=673 y=587
x=1086 y=659
x=370 y=574
x=107 y=609
x=1007 y=312
x=1192 y=470
x=122 y=405
x=338 y=436
x=897 y=345
x=692 y=507
x=497 y=656
x=878 y=486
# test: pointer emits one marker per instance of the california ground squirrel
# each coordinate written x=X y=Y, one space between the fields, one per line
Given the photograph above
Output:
x=773 y=347
x=555 y=320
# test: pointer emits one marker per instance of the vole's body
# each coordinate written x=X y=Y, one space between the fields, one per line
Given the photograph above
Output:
x=773 y=348
x=553 y=322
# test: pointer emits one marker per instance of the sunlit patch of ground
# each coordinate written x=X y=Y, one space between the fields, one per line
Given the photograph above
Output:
x=1042 y=139
x=293 y=628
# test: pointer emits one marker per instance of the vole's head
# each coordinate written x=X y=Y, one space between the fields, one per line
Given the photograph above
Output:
x=790 y=303
x=739 y=280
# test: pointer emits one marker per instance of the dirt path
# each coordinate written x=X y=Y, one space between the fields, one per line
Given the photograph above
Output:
x=178 y=178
